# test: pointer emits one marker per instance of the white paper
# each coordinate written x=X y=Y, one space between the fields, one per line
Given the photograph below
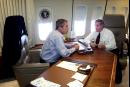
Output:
x=75 y=83
x=79 y=76
x=41 y=82
x=88 y=67
x=68 y=65
x=81 y=47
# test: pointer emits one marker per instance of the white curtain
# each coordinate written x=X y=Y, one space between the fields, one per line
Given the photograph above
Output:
x=31 y=21
x=24 y=8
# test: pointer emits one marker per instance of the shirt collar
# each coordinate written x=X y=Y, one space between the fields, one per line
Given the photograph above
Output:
x=101 y=31
x=60 y=33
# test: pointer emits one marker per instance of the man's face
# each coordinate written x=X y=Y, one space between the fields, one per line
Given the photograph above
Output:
x=65 y=28
x=98 y=26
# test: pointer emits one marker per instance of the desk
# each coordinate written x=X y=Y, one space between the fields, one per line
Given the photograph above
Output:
x=102 y=76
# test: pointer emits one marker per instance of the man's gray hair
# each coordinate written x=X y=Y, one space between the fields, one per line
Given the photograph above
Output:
x=101 y=21
x=60 y=23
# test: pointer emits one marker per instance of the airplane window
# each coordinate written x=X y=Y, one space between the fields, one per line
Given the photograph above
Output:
x=80 y=20
x=44 y=30
x=79 y=28
x=92 y=25
x=97 y=14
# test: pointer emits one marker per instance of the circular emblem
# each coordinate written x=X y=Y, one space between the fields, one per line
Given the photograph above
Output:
x=44 y=14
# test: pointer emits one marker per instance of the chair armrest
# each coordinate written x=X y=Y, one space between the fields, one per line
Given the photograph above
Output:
x=31 y=65
x=126 y=41
x=32 y=68
x=27 y=72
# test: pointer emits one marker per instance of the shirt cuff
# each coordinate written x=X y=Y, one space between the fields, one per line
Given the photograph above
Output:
x=72 y=50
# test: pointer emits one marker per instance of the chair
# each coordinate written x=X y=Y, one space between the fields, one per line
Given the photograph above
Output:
x=29 y=68
x=116 y=23
x=14 y=29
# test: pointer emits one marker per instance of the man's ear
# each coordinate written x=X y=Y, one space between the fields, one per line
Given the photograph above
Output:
x=60 y=28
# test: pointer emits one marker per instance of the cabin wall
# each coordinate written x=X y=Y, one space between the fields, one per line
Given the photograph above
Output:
x=59 y=9
x=94 y=10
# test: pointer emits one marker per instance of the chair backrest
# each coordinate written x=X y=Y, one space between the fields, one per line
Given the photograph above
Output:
x=14 y=29
x=116 y=23
x=29 y=56
x=34 y=55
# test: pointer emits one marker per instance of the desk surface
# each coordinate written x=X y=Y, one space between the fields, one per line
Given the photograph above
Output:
x=102 y=76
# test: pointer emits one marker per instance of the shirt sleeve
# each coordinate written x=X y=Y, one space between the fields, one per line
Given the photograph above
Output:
x=111 y=44
x=69 y=45
x=61 y=48
x=89 y=38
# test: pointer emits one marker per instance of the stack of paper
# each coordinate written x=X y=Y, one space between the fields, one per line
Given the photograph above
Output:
x=41 y=82
x=79 y=76
x=68 y=65
x=75 y=83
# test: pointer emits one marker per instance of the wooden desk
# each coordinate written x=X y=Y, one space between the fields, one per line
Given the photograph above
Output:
x=102 y=76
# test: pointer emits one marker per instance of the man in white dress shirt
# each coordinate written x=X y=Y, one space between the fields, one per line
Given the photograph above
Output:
x=107 y=39
x=54 y=47
x=103 y=38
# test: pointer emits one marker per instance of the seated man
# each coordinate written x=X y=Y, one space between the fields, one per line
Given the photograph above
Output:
x=54 y=47
x=104 y=39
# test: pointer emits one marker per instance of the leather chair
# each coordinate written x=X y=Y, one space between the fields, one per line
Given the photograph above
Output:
x=29 y=68
x=14 y=29
x=116 y=23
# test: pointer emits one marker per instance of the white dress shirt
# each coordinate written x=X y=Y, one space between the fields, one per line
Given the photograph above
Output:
x=106 y=37
x=55 y=47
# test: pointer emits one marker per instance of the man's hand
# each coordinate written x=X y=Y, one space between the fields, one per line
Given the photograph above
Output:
x=101 y=46
x=76 y=46
x=93 y=45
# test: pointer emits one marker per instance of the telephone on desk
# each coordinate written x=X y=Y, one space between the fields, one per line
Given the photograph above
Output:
x=84 y=69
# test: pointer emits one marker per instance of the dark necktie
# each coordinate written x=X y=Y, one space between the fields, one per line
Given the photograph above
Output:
x=98 y=38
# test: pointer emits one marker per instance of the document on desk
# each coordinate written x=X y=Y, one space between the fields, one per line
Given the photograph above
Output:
x=41 y=82
x=75 y=83
x=68 y=65
x=79 y=76
x=81 y=46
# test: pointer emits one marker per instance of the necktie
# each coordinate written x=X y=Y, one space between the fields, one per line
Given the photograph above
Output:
x=98 y=38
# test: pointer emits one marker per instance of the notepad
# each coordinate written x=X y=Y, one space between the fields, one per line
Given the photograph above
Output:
x=68 y=65
x=79 y=76
x=75 y=83
x=41 y=82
